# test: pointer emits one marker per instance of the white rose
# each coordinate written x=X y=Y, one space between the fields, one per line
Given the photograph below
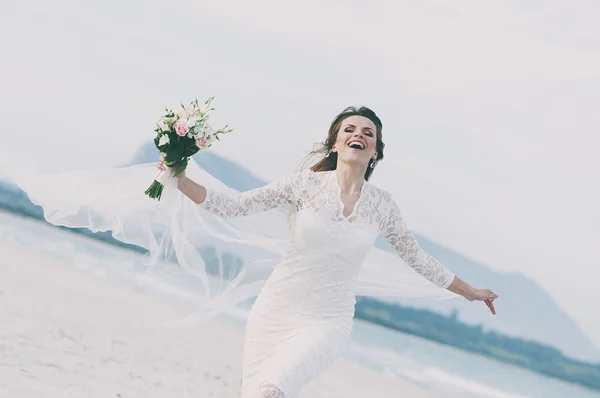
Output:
x=182 y=115
x=163 y=126
x=191 y=122
x=210 y=139
x=207 y=130
x=163 y=140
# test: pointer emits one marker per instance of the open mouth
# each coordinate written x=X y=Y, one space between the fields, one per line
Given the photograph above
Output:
x=356 y=145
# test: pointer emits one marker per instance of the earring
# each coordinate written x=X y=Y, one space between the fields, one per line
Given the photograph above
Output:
x=327 y=153
x=373 y=163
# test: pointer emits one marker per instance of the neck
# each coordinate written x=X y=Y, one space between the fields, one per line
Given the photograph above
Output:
x=349 y=177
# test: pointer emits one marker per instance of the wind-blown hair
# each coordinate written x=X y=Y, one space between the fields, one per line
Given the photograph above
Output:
x=327 y=163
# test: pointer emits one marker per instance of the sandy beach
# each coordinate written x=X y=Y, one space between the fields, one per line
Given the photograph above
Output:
x=67 y=332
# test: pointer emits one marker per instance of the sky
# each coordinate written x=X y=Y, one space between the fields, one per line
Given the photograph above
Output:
x=489 y=108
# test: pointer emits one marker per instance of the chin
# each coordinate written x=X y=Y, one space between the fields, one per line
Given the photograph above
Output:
x=356 y=161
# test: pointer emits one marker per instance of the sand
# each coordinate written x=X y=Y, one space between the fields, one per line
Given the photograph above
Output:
x=67 y=332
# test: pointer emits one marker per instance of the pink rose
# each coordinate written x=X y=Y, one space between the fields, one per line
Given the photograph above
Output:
x=201 y=142
x=181 y=129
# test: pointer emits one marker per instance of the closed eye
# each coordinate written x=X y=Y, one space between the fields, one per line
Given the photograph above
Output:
x=367 y=131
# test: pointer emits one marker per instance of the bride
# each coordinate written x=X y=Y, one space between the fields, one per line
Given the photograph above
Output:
x=302 y=319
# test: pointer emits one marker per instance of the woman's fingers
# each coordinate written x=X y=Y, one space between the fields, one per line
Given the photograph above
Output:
x=161 y=164
x=488 y=297
x=490 y=304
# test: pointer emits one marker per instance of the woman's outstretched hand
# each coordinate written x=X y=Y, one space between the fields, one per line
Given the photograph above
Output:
x=488 y=297
x=462 y=288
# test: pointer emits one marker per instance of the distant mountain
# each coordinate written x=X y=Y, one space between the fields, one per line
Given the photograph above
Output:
x=232 y=174
x=525 y=309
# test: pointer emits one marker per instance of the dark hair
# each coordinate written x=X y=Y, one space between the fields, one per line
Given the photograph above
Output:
x=327 y=163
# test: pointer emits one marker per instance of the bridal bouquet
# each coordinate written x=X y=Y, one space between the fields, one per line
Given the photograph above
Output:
x=181 y=135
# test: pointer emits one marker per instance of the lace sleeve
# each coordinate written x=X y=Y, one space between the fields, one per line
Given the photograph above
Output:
x=270 y=196
x=396 y=233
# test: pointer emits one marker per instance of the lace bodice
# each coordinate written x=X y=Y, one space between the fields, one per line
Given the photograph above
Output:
x=319 y=193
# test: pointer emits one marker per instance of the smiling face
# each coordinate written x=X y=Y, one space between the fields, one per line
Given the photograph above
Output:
x=354 y=138
x=356 y=141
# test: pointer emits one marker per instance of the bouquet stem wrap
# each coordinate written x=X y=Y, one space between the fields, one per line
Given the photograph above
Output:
x=155 y=189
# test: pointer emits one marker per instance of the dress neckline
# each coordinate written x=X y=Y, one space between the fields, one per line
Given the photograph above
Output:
x=338 y=196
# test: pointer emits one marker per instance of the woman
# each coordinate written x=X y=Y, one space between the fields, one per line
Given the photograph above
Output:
x=302 y=319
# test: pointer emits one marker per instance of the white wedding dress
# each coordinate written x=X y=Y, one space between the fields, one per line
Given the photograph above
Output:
x=302 y=319
x=306 y=279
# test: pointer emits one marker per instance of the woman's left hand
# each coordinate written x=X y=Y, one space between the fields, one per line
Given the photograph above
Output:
x=488 y=297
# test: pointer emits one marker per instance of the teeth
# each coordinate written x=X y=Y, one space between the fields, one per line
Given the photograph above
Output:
x=358 y=143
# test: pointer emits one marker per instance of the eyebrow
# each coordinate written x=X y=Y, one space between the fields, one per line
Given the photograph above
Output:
x=364 y=128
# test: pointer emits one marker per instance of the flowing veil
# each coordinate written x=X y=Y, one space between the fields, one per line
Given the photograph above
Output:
x=228 y=259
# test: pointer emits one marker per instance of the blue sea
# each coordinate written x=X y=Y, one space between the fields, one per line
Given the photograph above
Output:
x=447 y=371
